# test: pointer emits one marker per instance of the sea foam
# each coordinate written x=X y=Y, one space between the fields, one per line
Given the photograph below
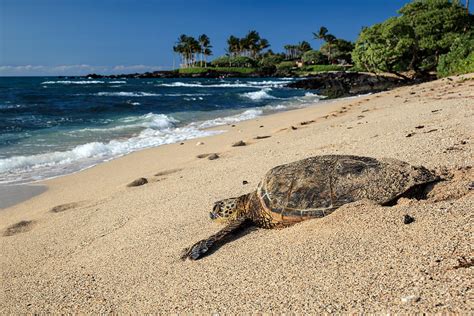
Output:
x=127 y=94
x=259 y=95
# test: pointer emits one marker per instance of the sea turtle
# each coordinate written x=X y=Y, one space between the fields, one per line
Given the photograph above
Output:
x=311 y=188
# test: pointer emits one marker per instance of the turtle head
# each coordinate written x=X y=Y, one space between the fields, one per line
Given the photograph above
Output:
x=226 y=210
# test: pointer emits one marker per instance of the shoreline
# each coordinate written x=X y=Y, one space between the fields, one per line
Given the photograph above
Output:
x=19 y=192
x=90 y=244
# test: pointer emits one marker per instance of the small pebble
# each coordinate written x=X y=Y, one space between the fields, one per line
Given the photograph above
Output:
x=410 y=299
x=470 y=185
x=407 y=219
x=199 y=143
x=410 y=134
x=419 y=126
x=245 y=182
x=294 y=128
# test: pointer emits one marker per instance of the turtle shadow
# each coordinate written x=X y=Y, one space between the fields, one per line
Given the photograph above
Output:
x=417 y=192
x=239 y=233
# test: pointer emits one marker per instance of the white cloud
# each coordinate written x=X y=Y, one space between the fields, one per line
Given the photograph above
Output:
x=71 y=70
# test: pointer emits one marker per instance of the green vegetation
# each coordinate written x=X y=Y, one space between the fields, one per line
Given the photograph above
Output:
x=428 y=36
x=414 y=41
x=460 y=59
x=250 y=46
x=199 y=70
x=189 y=49
x=338 y=50
x=315 y=57
x=293 y=52
x=323 y=68
x=234 y=61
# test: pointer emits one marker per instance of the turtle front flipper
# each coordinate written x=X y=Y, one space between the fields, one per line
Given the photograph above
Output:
x=202 y=247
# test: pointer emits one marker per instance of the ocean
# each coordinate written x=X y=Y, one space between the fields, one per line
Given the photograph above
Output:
x=55 y=126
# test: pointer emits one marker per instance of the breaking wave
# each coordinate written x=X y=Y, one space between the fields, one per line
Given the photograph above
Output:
x=259 y=95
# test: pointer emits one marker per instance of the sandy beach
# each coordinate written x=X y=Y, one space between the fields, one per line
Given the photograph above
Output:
x=90 y=244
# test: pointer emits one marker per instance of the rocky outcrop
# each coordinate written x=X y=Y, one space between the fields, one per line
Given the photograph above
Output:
x=210 y=73
x=341 y=84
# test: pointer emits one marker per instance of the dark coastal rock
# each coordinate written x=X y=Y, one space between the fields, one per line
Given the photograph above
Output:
x=341 y=84
x=210 y=73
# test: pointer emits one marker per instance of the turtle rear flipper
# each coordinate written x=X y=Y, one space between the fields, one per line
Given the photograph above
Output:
x=202 y=247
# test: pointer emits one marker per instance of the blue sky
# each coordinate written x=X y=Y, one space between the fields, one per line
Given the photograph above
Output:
x=70 y=37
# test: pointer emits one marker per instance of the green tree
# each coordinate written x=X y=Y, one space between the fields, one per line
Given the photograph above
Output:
x=436 y=24
x=315 y=57
x=387 y=47
x=415 y=40
x=205 y=47
x=328 y=38
x=460 y=59
x=339 y=50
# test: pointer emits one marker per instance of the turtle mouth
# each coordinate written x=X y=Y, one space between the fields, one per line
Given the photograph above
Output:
x=215 y=212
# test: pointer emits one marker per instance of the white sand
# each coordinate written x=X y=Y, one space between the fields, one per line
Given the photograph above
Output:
x=116 y=249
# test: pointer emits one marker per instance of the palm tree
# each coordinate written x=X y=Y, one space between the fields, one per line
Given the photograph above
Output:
x=325 y=36
x=263 y=44
x=233 y=44
x=205 y=46
x=321 y=34
x=304 y=46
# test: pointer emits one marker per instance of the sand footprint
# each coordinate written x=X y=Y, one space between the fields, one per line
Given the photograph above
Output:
x=239 y=144
x=138 y=182
x=64 y=207
x=18 y=228
x=211 y=156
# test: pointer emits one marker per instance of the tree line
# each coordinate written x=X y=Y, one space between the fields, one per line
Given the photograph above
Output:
x=426 y=36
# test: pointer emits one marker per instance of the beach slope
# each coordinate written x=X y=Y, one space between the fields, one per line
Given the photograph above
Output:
x=92 y=244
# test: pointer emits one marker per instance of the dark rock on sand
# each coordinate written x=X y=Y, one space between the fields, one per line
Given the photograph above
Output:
x=407 y=219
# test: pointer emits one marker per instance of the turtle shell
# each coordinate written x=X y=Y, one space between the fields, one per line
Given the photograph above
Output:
x=316 y=186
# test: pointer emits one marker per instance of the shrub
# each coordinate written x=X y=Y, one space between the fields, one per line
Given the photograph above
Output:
x=234 y=61
x=323 y=68
x=285 y=66
x=270 y=60
x=315 y=57
x=460 y=59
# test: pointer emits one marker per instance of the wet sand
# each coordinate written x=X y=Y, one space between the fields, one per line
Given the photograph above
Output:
x=92 y=243
x=14 y=194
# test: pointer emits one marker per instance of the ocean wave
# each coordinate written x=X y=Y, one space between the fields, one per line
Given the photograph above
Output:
x=82 y=82
x=236 y=84
x=128 y=94
x=246 y=115
x=85 y=155
x=186 y=94
x=150 y=120
x=259 y=95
